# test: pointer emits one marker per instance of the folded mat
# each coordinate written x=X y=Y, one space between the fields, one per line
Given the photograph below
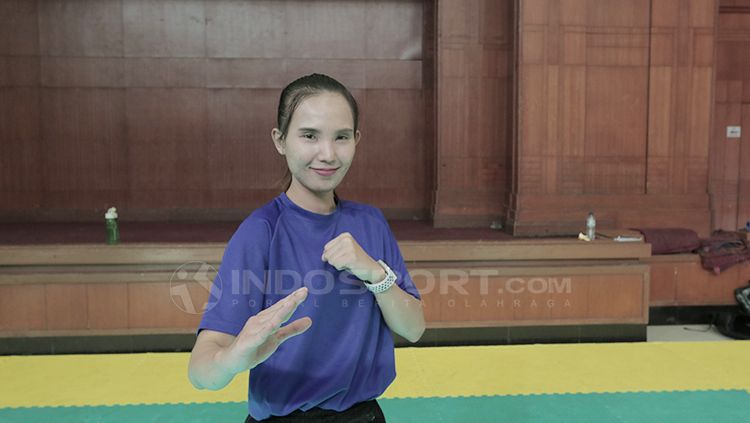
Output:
x=670 y=240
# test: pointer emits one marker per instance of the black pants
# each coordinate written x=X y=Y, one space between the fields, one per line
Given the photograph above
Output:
x=363 y=412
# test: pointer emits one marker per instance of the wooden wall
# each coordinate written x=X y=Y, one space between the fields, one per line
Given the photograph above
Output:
x=145 y=288
x=474 y=111
x=165 y=108
x=615 y=101
x=680 y=280
x=535 y=111
x=730 y=158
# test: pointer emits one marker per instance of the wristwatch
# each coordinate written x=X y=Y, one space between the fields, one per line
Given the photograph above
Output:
x=382 y=286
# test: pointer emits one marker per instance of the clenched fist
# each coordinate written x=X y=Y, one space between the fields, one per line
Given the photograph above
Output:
x=344 y=253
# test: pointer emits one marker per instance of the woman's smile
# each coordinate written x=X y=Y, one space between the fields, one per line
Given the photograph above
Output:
x=325 y=171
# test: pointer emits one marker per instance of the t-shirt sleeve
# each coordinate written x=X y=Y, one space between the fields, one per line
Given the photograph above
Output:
x=395 y=261
x=237 y=291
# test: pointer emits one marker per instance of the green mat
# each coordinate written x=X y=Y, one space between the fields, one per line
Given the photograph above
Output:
x=637 y=407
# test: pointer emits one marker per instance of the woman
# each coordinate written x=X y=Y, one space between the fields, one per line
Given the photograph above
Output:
x=330 y=266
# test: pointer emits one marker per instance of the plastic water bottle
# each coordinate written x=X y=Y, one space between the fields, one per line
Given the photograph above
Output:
x=113 y=232
x=591 y=226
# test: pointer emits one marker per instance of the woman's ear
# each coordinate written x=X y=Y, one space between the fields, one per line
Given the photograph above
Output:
x=278 y=140
x=357 y=136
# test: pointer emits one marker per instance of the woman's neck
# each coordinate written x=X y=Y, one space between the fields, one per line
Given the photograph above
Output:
x=323 y=203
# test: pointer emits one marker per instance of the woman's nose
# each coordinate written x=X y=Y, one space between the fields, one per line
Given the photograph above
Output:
x=326 y=152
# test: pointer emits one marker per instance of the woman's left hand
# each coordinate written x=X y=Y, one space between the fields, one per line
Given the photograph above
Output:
x=344 y=253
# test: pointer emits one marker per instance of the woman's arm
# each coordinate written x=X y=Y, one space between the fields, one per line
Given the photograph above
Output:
x=402 y=313
x=207 y=368
x=217 y=356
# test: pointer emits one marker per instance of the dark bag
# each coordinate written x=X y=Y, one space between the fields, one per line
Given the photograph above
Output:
x=743 y=298
x=737 y=324
x=734 y=325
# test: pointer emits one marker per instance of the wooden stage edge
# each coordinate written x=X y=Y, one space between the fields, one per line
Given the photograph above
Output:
x=484 y=290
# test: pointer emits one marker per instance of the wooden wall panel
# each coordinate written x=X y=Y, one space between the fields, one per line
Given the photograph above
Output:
x=680 y=280
x=163 y=108
x=630 y=292
x=230 y=26
x=20 y=151
x=474 y=112
x=680 y=104
x=743 y=206
x=81 y=28
x=663 y=283
x=614 y=101
x=67 y=306
x=404 y=134
x=19 y=28
x=232 y=133
x=84 y=151
x=166 y=132
x=167 y=28
x=20 y=182
x=107 y=306
x=151 y=305
x=22 y=307
x=515 y=296
x=729 y=179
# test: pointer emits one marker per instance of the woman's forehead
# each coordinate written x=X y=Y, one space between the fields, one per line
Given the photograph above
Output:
x=323 y=110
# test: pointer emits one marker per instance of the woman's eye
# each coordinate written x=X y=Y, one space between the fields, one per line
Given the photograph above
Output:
x=342 y=138
x=308 y=136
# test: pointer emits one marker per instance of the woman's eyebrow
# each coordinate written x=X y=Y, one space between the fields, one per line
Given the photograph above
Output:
x=313 y=130
x=347 y=131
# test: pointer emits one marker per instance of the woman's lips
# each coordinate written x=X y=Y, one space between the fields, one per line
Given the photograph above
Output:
x=325 y=172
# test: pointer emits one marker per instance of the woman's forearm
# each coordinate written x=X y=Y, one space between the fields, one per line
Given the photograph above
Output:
x=209 y=368
x=402 y=313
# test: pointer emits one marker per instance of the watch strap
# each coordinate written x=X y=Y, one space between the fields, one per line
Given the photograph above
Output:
x=387 y=282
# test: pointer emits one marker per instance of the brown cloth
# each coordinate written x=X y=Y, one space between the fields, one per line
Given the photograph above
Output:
x=720 y=251
x=670 y=240
x=724 y=249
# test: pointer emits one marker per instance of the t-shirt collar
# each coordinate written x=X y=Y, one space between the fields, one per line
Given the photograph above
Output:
x=307 y=213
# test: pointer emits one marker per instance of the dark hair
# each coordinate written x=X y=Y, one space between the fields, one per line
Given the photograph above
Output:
x=300 y=89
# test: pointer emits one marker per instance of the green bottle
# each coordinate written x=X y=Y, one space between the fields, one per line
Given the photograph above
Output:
x=113 y=233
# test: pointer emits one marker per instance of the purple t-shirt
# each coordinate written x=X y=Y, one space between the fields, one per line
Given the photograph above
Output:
x=347 y=354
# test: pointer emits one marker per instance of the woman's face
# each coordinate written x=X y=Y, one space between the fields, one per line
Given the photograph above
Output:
x=320 y=142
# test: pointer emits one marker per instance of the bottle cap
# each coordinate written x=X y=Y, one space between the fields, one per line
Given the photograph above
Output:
x=111 y=213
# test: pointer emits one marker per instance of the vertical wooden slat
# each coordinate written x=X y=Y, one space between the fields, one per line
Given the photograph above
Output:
x=473 y=115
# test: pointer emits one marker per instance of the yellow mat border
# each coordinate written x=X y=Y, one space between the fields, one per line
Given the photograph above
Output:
x=161 y=378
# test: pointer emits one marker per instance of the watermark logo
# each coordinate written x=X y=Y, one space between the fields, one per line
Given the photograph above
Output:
x=193 y=289
x=199 y=276
x=458 y=281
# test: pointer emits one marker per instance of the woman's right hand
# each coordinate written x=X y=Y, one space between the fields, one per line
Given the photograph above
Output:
x=262 y=333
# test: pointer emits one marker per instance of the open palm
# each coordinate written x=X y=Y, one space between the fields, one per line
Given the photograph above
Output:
x=262 y=333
